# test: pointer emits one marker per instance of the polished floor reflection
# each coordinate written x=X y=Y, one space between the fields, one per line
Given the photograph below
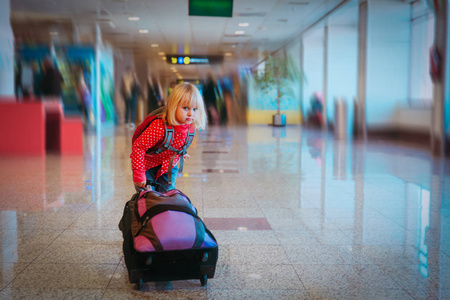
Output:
x=297 y=214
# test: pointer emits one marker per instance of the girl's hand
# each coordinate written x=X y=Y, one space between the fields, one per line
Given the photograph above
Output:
x=186 y=156
x=141 y=184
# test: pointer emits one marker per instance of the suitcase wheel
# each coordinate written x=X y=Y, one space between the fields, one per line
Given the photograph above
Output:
x=204 y=280
x=139 y=284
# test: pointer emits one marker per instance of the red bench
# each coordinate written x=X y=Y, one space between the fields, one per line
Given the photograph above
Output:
x=64 y=134
x=34 y=127
x=22 y=128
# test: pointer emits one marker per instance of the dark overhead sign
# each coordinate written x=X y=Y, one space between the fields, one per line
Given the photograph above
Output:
x=210 y=8
x=194 y=59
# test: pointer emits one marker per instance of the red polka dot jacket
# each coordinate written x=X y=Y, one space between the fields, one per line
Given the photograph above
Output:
x=141 y=162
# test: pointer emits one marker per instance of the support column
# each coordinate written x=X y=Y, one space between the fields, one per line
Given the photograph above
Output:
x=98 y=94
x=301 y=98
x=6 y=51
x=341 y=64
x=325 y=78
x=360 y=114
x=441 y=88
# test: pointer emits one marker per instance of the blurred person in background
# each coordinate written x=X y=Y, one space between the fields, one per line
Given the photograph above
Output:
x=52 y=80
x=37 y=79
x=154 y=100
x=130 y=90
x=171 y=86
x=17 y=75
x=210 y=96
x=315 y=115
x=228 y=102
x=27 y=80
x=84 y=98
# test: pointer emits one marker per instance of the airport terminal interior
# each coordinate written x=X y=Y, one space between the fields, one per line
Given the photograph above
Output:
x=332 y=187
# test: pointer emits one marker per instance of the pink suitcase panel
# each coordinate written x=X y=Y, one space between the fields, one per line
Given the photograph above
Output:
x=175 y=230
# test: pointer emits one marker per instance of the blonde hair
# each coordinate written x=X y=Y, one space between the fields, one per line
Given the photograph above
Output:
x=185 y=94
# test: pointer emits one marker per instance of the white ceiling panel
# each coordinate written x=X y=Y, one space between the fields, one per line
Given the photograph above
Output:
x=272 y=23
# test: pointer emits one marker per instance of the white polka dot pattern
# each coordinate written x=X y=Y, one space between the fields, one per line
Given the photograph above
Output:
x=154 y=134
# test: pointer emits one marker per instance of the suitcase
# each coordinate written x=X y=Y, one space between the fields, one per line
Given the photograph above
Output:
x=165 y=240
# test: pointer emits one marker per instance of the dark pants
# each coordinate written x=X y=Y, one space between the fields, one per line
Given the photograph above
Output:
x=130 y=109
x=162 y=184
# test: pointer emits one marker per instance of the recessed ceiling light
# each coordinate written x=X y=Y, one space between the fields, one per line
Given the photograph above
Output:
x=228 y=54
x=161 y=53
x=239 y=32
x=143 y=31
x=244 y=24
x=154 y=45
x=133 y=18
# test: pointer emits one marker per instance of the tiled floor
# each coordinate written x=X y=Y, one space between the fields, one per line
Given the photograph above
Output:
x=297 y=214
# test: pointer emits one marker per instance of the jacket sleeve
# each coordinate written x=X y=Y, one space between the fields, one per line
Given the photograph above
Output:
x=149 y=138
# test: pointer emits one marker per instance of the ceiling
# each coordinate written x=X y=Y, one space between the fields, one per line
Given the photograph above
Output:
x=272 y=24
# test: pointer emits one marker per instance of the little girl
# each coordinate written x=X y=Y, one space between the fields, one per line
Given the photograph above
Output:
x=184 y=107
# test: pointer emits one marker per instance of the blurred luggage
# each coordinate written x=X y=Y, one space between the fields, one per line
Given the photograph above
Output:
x=165 y=239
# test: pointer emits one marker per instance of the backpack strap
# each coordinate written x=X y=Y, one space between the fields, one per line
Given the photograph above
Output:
x=169 y=134
x=189 y=138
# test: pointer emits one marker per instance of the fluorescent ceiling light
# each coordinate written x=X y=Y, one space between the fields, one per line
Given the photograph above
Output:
x=161 y=53
x=143 y=31
x=239 y=32
x=133 y=18
x=228 y=54
x=244 y=24
x=154 y=45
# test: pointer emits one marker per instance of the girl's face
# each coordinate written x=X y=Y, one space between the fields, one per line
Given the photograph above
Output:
x=186 y=114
